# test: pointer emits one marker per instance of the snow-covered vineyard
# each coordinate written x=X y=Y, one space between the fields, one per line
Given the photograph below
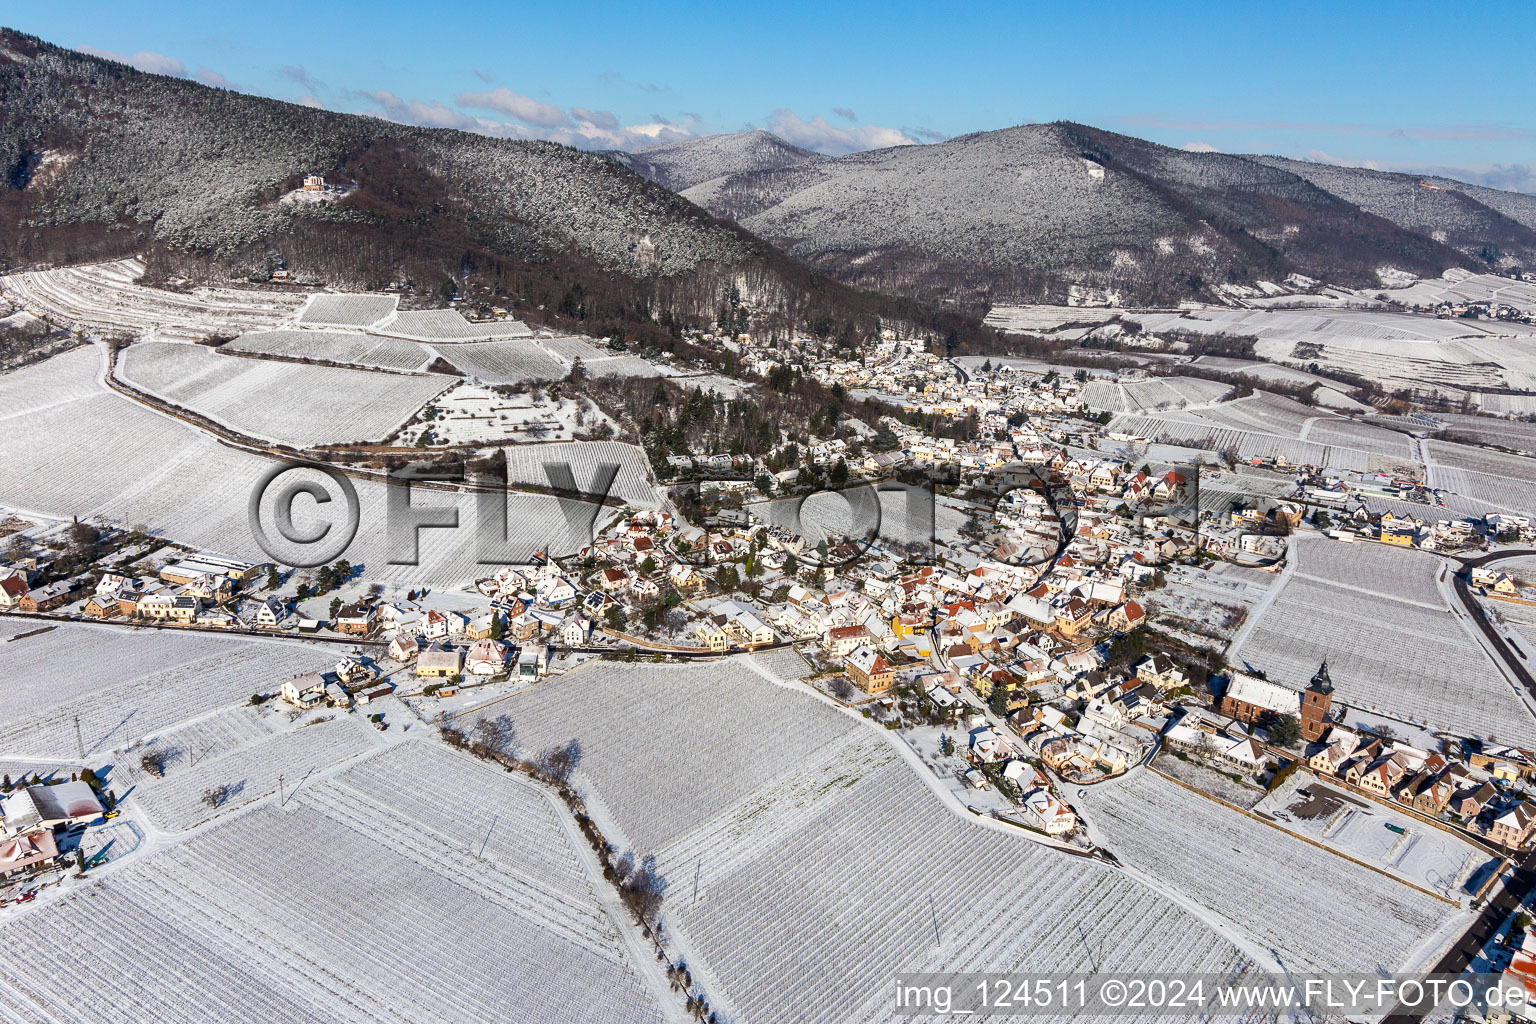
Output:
x=341 y=906
x=303 y=406
x=1296 y=899
x=1391 y=641
x=123 y=685
x=106 y=297
x=789 y=808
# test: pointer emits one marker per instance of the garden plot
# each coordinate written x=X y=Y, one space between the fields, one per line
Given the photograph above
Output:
x=858 y=871
x=526 y=464
x=105 y=297
x=449 y=325
x=347 y=310
x=713 y=732
x=508 y=362
x=256 y=769
x=1403 y=660
x=335 y=909
x=332 y=347
x=1420 y=854
x=286 y=402
x=1316 y=910
x=126 y=683
x=471 y=413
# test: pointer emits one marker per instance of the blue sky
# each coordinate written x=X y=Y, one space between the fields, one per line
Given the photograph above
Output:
x=1399 y=85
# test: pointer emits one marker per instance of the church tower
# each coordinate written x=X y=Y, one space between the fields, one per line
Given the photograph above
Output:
x=1316 y=704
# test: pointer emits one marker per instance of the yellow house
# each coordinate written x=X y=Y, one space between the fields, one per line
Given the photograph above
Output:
x=1401 y=536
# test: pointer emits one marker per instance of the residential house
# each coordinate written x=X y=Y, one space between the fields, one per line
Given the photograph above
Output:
x=869 y=670
x=439 y=662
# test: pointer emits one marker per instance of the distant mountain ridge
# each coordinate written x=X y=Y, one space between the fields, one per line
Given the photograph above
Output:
x=100 y=161
x=1029 y=212
x=682 y=165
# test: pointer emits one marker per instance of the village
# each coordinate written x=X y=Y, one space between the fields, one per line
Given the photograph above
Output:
x=1053 y=631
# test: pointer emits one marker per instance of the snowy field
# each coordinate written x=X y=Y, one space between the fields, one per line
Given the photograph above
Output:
x=105 y=297
x=128 y=683
x=277 y=763
x=347 y=310
x=1156 y=393
x=1318 y=911
x=181 y=484
x=1423 y=855
x=1045 y=319
x=526 y=462
x=508 y=362
x=333 y=347
x=1380 y=570
x=915 y=887
x=289 y=403
x=448 y=326
x=738 y=724
x=1391 y=643
x=1458 y=286
x=780 y=807
x=350 y=905
x=473 y=413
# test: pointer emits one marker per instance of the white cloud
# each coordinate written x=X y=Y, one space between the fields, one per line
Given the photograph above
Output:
x=145 y=60
x=210 y=77
x=524 y=108
x=817 y=134
x=602 y=119
x=845 y=113
x=1199 y=147
x=310 y=101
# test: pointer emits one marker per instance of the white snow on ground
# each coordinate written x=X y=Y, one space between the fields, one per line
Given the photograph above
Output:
x=619 y=714
x=449 y=325
x=1391 y=645
x=475 y=413
x=279 y=401
x=1426 y=856
x=333 y=346
x=1318 y=911
x=370 y=897
x=633 y=484
x=105 y=297
x=508 y=362
x=182 y=484
x=347 y=310
x=128 y=683
x=803 y=823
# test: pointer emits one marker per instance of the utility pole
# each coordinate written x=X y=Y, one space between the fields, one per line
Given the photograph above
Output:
x=488 y=832
x=281 y=797
x=79 y=741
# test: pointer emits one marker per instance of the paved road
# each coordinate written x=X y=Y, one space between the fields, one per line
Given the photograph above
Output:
x=1522 y=882
x=1519 y=886
x=1495 y=638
